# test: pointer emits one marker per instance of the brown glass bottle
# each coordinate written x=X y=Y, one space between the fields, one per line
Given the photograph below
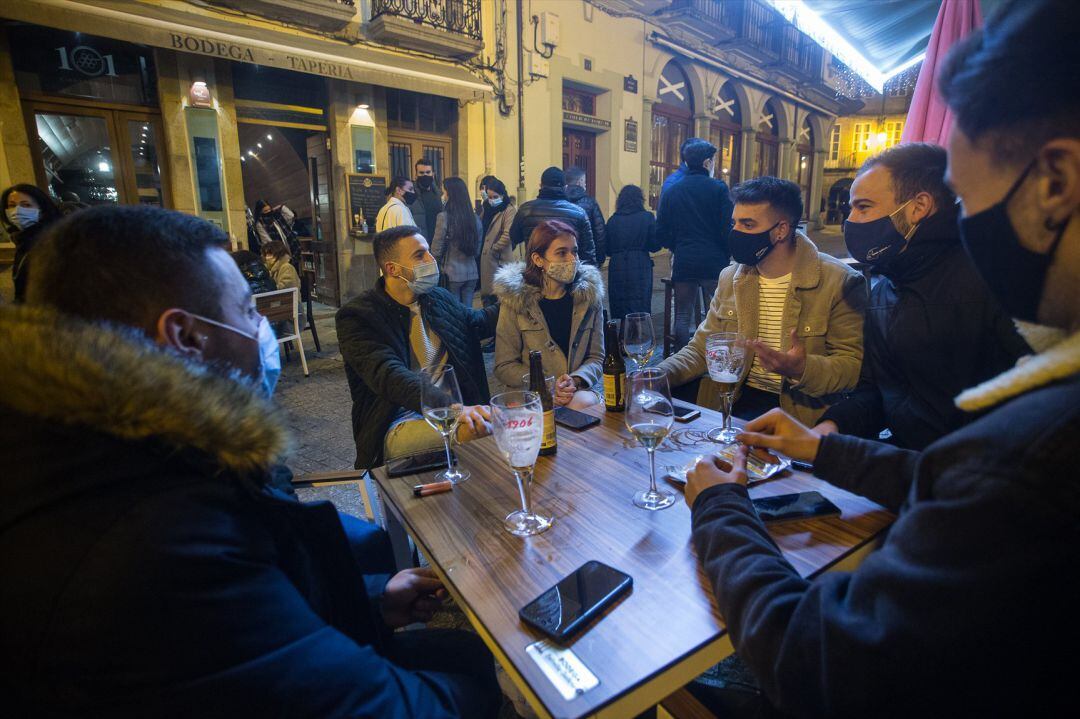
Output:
x=614 y=370
x=549 y=444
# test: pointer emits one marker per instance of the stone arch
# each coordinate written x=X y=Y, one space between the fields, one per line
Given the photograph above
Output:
x=781 y=117
x=675 y=88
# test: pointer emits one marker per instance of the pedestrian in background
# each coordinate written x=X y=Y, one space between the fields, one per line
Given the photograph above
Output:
x=28 y=212
x=498 y=214
x=456 y=241
x=578 y=193
x=693 y=220
x=279 y=263
x=631 y=236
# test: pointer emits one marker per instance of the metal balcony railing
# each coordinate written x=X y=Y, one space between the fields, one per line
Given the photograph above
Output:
x=456 y=16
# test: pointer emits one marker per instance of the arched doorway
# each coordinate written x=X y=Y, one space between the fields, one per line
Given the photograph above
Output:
x=725 y=131
x=839 y=201
x=672 y=118
x=767 y=158
x=804 y=166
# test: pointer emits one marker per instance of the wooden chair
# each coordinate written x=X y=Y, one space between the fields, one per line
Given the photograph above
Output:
x=682 y=705
x=360 y=477
x=284 y=306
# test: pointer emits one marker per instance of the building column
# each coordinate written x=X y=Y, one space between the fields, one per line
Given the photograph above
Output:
x=178 y=158
x=702 y=126
x=749 y=149
x=817 y=182
x=645 y=140
x=16 y=157
x=784 y=160
x=229 y=136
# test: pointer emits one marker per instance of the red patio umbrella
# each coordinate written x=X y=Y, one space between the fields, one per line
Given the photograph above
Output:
x=929 y=118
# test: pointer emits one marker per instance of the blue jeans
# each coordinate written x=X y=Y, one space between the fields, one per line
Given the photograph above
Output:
x=464 y=291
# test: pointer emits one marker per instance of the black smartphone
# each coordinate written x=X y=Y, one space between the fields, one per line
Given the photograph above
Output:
x=685 y=412
x=417 y=463
x=563 y=610
x=787 y=507
x=573 y=419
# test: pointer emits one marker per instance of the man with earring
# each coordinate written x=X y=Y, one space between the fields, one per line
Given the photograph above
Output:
x=800 y=310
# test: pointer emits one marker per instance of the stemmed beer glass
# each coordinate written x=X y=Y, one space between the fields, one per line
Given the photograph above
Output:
x=440 y=401
x=725 y=355
x=518 y=423
x=649 y=414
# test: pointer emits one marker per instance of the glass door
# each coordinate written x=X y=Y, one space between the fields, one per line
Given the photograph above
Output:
x=96 y=155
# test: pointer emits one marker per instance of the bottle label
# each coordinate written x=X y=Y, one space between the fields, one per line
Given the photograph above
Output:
x=613 y=390
x=548 y=441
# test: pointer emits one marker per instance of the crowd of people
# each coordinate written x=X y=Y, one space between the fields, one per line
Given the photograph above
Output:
x=157 y=564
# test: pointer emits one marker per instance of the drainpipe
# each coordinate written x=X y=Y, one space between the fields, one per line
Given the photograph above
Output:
x=520 y=104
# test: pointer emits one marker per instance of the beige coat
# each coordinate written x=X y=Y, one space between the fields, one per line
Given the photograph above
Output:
x=825 y=305
x=284 y=274
x=496 y=251
x=522 y=328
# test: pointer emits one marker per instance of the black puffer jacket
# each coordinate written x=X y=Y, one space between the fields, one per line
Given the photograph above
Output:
x=373 y=335
x=576 y=194
x=932 y=330
x=551 y=204
x=254 y=271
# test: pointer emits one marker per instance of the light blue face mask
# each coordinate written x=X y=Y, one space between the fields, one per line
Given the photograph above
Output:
x=425 y=277
x=269 y=356
x=495 y=201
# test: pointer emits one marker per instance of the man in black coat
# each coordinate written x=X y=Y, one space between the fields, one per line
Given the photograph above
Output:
x=965 y=607
x=693 y=221
x=932 y=328
x=151 y=569
x=551 y=204
x=404 y=323
x=577 y=192
x=428 y=203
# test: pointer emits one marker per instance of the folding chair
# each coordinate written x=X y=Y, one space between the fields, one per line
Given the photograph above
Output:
x=284 y=306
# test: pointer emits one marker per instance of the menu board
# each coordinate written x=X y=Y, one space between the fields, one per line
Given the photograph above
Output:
x=367 y=193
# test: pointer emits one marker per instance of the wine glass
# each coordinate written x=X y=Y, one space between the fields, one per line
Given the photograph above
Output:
x=518 y=424
x=649 y=414
x=638 y=338
x=725 y=355
x=440 y=400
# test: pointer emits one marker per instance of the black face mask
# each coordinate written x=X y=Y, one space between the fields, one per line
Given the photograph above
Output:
x=409 y=198
x=877 y=241
x=1014 y=274
x=750 y=248
x=426 y=182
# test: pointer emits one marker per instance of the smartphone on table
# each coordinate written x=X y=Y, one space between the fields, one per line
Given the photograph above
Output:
x=573 y=419
x=417 y=463
x=685 y=412
x=566 y=608
x=789 y=507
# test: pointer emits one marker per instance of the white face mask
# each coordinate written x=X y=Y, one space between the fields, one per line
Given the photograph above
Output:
x=563 y=272
x=23 y=217
x=425 y=277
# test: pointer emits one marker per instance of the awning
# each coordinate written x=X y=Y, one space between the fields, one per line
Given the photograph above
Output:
x=176 y=29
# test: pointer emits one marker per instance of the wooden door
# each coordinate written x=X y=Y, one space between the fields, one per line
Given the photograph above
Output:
x=406 y=148
x=323 y=260
x=579 y=150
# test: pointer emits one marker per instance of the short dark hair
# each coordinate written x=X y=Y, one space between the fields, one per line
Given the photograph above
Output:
x=552 y=177
x=572 y=174
x=696 y=151
x=423 y=161
x=384 y=243
x=127 y=264
x=915 y=167
x=398 y=182
x=1008 y=81
x=495 y=184
x=277 y=248
x=783 y=196
x=49 y=210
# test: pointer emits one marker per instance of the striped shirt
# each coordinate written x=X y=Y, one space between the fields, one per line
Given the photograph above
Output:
x=772 y=295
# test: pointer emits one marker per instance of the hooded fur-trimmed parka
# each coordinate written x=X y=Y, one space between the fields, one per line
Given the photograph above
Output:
x=148 y=567
x=522 y=327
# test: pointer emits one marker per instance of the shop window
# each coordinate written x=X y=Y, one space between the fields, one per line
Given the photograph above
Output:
x=363 y=146
x=416 y=112
x=206 y=156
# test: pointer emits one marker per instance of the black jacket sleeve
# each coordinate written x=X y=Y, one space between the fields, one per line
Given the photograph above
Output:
x=725 y=207
x=880 y=472
x=516 y=229
x=375 y=361
x=586 y=246
x=665 y=230
x=652 y=235
x=483 y=321
x=599 y=230
x=862 y=412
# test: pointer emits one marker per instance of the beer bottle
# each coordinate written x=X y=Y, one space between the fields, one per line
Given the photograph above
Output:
x=550 y=443
x=614 y=370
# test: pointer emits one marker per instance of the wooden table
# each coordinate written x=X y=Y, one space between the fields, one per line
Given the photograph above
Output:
x=659 y=637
